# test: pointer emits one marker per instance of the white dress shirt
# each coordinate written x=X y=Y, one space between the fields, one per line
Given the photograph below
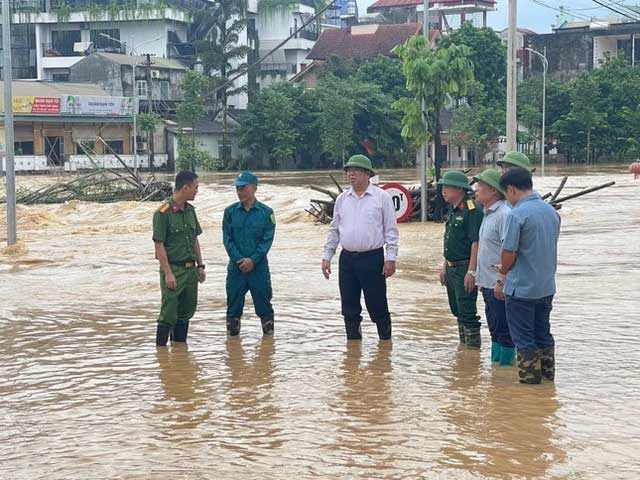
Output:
x=363 y=223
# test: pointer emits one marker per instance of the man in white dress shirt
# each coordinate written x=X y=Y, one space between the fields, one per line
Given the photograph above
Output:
x=364 y=221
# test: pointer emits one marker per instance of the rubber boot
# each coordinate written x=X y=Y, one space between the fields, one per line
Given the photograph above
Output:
x=179 y=332
x=384 y=329
x=495 y=352
x=353 y=328
x=548 y=363
x=463 y=340
x=267 y=325
x=507 y=356
x=162 y=335
x=529 y=367
x=472 y=337
x=233 y=327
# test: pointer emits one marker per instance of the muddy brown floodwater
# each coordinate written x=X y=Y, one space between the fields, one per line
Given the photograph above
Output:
x=85 y=394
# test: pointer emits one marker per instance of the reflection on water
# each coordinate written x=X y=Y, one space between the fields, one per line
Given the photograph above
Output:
x=86 y=394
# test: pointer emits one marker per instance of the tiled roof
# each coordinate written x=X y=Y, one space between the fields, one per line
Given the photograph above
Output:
x=362 y=41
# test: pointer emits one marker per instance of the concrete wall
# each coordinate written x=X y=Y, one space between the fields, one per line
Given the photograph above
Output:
x=569 y=54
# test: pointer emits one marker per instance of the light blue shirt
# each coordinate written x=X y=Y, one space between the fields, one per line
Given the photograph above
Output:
x=532 y=229
x=490 y=244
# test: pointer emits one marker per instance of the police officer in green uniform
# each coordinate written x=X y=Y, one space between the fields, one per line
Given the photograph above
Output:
x=514 y=159
x=461 y=254
x=175 y=235
x=248 y=228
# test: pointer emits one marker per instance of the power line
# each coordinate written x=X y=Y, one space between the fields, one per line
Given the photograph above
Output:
x=562 y=10
x=609 y=7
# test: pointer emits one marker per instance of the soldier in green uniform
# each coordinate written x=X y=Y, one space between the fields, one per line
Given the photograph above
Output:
x=175 y=235
x=514 y=159
x=461 y=254
x=248 y=228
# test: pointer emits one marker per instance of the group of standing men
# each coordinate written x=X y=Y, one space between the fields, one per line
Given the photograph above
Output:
x=503 y=242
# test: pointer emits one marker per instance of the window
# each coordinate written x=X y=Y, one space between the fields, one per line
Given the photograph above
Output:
x=102 y=42
x=23 y=148
x=141 y=87
x=62 y=42
x=222 y=150
x=60 y=77
x=89 y=146
x=164 y=90
x=115 y=146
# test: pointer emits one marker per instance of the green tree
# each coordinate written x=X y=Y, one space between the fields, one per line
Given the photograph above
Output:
x=477 y=124
x=434 y=76
x=148 y=123
x=386 y=72
x=221 y=53
x=190 y=111
x=488 y=54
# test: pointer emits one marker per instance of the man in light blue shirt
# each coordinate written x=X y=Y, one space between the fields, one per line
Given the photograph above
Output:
x=490 y=282
x=529 y=260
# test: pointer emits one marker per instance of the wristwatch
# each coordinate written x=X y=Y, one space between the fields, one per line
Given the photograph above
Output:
x=472 y=273
x=202 y=266
x=500 y=283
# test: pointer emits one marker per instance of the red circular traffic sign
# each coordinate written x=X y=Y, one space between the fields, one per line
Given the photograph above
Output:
x=402 y=201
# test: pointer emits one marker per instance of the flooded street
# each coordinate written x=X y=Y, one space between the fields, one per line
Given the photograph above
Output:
x=85 y=394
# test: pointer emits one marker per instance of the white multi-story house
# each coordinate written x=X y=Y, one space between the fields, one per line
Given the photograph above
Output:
x=53 y=35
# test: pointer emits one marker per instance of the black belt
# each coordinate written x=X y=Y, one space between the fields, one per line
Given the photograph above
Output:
x=363 y=254
x=185 y=264
x=457 y=263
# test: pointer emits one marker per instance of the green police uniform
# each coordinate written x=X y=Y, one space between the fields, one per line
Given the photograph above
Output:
x=461 y=230
x=248 y=234
x=177 y=230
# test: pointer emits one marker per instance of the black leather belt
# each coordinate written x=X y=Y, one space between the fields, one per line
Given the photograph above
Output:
x=187 y=264
x=363 y=254
x=457 y=263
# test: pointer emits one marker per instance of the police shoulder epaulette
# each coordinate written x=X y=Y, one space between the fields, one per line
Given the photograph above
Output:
x=471 y=205
x=164 y=208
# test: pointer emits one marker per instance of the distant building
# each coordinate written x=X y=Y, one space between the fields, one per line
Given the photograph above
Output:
x=522 y=55
x=576 y=47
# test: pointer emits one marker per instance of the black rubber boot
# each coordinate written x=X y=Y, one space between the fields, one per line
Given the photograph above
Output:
x=267 y=325
x=463 y=339
x=162 y=335
x=179 y=332
x=354 y=331
x=233 y=327
x=472 y=338
x=548 y=363
x=529 y=367
x=384 y=329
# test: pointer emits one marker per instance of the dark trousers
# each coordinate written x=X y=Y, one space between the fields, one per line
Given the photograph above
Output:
x=462 y=303
x=258 y=282
x=362 y=272
x=495 y=311
x=528 y=321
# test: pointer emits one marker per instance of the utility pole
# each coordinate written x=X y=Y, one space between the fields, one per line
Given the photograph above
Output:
x=8 y=123
x=512 y=125
x=150 y=134
x=425 y=147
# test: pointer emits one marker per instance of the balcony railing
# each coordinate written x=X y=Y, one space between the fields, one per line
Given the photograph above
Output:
x=276 y=68
x=18 y=6
x=61 y=50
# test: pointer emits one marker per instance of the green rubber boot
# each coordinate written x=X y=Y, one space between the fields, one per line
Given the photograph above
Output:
x=461 y=334
x=507 y=356
x=472 y=338
x=495 y=352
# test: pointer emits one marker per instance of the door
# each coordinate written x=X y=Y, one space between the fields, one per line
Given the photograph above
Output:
x=54 y=150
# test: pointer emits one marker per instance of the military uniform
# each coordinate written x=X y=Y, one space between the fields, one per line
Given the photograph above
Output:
x=248 y=234
x=461 y=230
x=177 y=230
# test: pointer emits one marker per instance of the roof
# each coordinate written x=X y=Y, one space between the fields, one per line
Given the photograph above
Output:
x=362 y=41
x=48 y=89
x=156 y=62
x=380 y=4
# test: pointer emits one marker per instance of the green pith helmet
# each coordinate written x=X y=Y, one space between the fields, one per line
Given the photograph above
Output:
x=491 y=177
x=454 y=178
x=360 y=161
x=517 y=159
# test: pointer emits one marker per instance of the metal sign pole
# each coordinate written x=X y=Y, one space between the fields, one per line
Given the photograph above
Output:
x=8 y=124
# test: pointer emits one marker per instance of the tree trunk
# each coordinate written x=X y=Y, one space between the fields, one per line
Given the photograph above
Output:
x=588 y=146
x=224 y=130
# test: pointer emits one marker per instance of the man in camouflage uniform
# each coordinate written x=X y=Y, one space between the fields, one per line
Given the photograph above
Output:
x=460 y=255
x=175 y=235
